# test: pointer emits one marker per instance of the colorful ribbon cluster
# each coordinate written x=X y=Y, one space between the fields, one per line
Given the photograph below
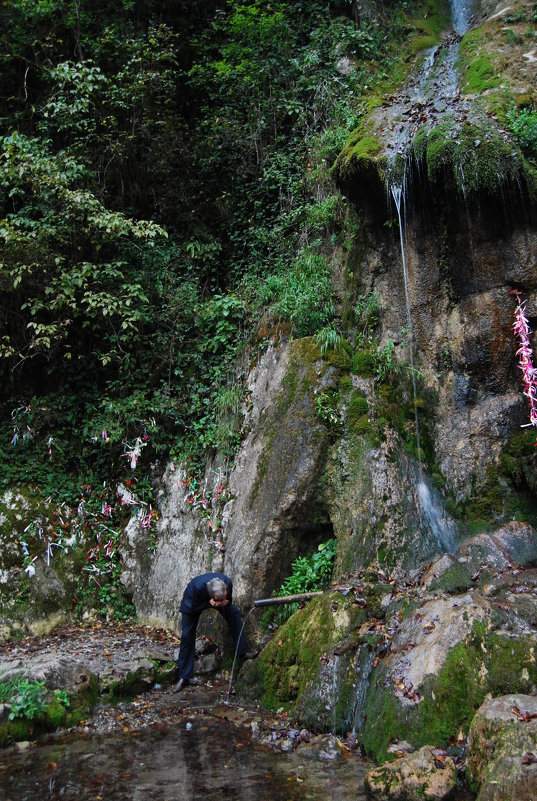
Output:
x=522 y=330
x=210 y=504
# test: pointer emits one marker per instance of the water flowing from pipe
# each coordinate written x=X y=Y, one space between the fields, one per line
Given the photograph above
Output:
x=236 y=652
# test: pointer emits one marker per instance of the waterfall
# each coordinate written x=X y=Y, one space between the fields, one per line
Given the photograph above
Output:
x=397 y=194
x=460 y=13
x=445 y=534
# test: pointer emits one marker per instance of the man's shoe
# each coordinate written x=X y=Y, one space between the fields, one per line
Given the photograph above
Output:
x=179 y=686
x=249 y=655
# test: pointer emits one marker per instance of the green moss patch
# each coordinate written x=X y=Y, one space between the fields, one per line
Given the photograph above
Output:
x=364 y=363
x=486 y=662
x=475 y=66
x=471 y=160
x=290 y=663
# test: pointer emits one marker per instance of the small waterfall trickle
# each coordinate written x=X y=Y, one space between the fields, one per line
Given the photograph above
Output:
x=433 y=513
x=398 y=196
x=460 y=14
x=444 y=532
x=335 y=688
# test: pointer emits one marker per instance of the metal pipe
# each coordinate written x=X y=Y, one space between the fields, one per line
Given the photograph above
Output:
x=287 y=599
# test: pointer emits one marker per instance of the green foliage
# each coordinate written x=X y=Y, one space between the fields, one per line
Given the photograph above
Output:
x=328 y=339
x=310 y=573
x=523 y=123
x=301 y=296
x=326 y=406
x=27 y=699
x=165 y=181
x=386 y=363
x=62 y=698
x=366 y=313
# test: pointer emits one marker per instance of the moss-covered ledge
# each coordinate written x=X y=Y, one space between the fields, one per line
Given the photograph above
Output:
x=472 y=160
x=79 y=705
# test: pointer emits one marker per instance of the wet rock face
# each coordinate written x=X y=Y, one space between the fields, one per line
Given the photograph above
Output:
x=502 y=760
x=375 y=507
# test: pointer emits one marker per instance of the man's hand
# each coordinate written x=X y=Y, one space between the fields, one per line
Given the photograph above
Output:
x=216 y=604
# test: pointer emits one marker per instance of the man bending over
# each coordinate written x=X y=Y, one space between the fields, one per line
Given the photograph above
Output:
x=210 y=590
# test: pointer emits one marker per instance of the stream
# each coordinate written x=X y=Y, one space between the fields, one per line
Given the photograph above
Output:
x=177 y=751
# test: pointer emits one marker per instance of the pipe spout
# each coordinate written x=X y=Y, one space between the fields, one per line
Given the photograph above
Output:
x=287 y=599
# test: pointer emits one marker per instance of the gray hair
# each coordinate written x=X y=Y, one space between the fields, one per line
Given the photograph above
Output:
x=217 y=589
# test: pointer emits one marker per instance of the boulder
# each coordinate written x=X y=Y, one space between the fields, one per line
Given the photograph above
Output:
x=512 y=545
x=425 y=774
x=502 y=758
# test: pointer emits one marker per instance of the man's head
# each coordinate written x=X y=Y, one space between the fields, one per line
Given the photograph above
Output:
x=217 y=589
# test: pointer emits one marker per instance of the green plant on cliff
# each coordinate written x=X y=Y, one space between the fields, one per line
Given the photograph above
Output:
x=310 y=573
x=523 y=123
x=301 y=296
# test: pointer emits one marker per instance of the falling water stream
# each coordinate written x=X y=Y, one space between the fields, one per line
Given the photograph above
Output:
x=435 y=88
x=397 y=193
x=236 y=653
x=443 y=531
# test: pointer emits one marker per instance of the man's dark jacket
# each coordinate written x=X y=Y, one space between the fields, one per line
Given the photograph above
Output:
x=196 y=596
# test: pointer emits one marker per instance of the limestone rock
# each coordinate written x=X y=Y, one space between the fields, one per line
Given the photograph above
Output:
x=415 y=777
x=502 y=759
x=157 y=578
x=274 y=483
x=437 y=627
x=510 y=546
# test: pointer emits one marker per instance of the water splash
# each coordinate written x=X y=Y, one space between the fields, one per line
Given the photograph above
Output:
x=443 y=530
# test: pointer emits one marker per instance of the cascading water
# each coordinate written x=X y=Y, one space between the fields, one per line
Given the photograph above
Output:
x=433 y=92
x=444 y=533
x=460 y=13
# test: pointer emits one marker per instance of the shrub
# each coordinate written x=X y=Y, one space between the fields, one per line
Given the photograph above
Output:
x=303 y=295
x=523 y=124
x=310 y=573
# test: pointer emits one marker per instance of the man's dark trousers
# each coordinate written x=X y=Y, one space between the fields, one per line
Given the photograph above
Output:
x=189 y=624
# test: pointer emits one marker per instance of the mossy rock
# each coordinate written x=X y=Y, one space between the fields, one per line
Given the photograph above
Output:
x=498 y=740
x=485 y=663
x=475 y=66
x=291 y=662
x=472 y=161
x=364 y=363
x=455 y=579
x=54 y=716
